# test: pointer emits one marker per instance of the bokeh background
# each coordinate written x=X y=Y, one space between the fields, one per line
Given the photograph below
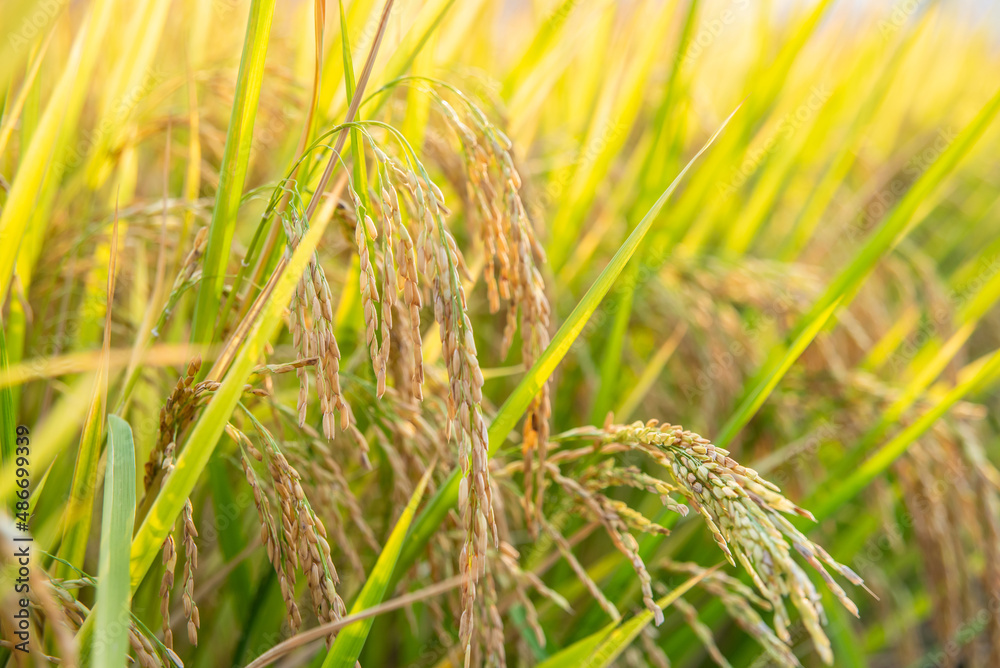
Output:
x=818 y=296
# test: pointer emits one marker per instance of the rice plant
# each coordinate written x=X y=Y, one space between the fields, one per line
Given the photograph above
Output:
x=492 y=333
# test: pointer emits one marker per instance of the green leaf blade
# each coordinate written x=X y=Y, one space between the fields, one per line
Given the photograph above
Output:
x=351 y=639
x=600 y=649
x=110 y=646
x=531 y=384
x=842 y=289
x=232 y=173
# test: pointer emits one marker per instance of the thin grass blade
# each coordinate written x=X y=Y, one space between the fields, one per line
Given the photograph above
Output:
x=205 y=434
x=233 y=170
x=8 y=418
x=845 y=286
x=519 y=400
x=53 y=135
x=350 y=641
x=600 y=649
x=77 y=516
x=981 y=375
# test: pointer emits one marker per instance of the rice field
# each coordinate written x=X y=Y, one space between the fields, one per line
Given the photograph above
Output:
x=493 y=333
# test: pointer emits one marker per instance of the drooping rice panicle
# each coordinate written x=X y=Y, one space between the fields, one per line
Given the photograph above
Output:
x=190 y=532
x=512 y=257
x=744 y=512
x=312 y=327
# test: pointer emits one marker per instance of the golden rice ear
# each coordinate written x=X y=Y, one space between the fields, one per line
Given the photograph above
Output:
x=276 y=549
x=190 y=532
x=312 y=325
x=145 y=652
x=166 y=585
x=511 y=270
x=747 y=517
